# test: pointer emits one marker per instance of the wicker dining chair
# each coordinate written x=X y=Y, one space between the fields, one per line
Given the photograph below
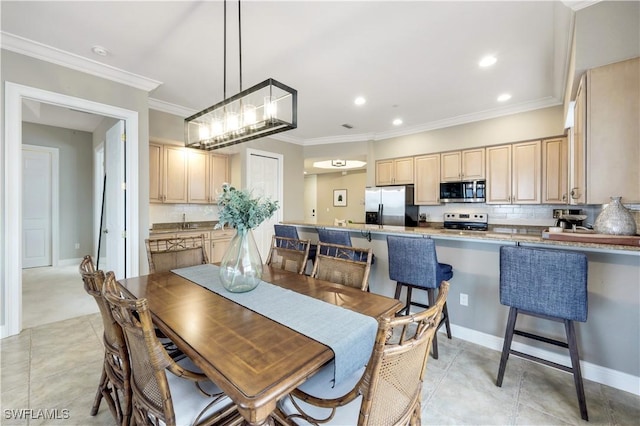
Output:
x=114 y=384
x=340 y=264
x=289 y=254
x=389 y=392
x=183 y=397
x=165 y=254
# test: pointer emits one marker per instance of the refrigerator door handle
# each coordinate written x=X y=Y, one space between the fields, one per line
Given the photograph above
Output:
x=380 y=208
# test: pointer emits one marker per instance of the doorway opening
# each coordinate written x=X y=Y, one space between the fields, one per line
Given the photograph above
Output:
x=11 y=285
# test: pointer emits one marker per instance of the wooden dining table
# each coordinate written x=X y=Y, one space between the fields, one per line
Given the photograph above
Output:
x=253 y=359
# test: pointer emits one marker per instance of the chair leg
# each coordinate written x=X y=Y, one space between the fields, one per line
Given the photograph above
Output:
x=506 y=347
x=102 y=385
x=575 y=365
x=431 y=296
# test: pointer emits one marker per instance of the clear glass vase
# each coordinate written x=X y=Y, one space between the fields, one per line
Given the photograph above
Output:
x=241 y=266
x=615 y=219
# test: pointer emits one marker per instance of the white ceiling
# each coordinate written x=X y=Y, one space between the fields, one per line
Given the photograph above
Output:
x=415 y=60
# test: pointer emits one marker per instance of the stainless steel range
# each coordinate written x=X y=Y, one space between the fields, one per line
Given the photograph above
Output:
x=466 y=221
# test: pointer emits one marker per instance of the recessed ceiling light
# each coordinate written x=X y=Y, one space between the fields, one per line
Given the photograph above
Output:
x=504 y=97
x=339 y=164
x=397 y=122
x=487 y=61
x=99 y=50
x=360 y=101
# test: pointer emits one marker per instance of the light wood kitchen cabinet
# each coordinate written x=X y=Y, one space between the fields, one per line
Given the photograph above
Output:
x=218 y=174
x=607 y=127
x=427 y=179
x=156 y=192
x=182 y=175
x=555 y=164
x=198 y=176
x=167 y=174
x=396 y=171
x=463 y=165
x=513 y=173
x=220 y=239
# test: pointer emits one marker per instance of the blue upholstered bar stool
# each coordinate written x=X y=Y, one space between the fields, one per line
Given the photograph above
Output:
x=289 y=231
x=413 y=264
x=334 y=236
x=549 y=284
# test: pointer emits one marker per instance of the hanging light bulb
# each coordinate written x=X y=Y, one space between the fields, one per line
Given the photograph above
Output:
x=270 y=107
x=249 y=115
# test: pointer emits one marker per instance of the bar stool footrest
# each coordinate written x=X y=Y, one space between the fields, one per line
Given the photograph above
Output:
x=541 y=361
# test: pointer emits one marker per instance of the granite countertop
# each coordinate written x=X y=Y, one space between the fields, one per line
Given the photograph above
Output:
x=171 y=227
x=496 y=233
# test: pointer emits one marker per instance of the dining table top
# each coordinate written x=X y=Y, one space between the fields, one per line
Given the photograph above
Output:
x=253 y=359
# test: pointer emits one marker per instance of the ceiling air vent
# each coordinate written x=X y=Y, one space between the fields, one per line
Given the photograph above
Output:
x=347 y=126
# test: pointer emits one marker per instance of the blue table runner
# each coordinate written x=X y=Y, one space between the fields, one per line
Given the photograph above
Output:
x=349 y=334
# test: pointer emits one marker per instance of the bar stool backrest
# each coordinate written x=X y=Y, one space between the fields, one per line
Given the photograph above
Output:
x=543 y=281
x=413 y=261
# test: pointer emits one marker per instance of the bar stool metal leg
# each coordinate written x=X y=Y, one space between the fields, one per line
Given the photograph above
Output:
x=575 y=366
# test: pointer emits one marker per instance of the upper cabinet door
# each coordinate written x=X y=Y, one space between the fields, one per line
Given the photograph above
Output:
x=473 y=164
x=198 y=171
x=451 y=163
x=218 y=175
x=155 y=173
x=499 y=174
x=526 y=169
x=175 y=174
x=555 y=171
x=403 y=171
x=427 y=179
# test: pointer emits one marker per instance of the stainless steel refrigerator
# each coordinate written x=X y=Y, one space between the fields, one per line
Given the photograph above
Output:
x=390 y=205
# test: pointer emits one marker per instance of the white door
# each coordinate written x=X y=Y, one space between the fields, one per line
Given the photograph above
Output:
x=113 y=224
x=98 y=193
x=39 y=171
x=264 y=179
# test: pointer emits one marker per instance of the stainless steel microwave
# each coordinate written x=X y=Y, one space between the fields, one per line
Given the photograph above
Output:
x=463 y=192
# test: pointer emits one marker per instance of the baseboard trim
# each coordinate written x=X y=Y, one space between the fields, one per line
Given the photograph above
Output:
x=593 y=372
x=69 y=262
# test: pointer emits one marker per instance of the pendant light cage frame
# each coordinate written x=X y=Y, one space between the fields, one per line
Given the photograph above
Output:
x=265 y=109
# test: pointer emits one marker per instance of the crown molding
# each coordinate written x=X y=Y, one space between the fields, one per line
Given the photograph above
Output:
x=439 y=124
x=56 y=56
x=170 y=108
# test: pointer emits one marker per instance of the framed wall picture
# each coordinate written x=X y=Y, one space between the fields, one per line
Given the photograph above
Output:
x=340 y=198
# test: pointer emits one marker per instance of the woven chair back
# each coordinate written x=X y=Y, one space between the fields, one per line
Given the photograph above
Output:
x=152 y=401
x=392 y=383
x=288 y=254
x=343 y=265
x=116 y=360
x=165 y=254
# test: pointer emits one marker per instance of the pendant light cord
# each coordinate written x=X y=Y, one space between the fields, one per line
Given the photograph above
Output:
x=224 y=71
x=240 y=43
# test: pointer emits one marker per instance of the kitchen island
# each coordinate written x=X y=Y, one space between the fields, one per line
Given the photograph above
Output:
x=609 y=341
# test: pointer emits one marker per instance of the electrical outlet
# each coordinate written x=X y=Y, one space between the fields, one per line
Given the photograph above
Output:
x=464 y=299
x=77 y=246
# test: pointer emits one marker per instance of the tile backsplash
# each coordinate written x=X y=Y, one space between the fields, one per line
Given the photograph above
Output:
x=164 y=213
x=510 y=214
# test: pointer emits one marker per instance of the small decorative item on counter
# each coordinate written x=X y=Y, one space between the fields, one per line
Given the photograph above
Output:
x=241 y=266
x=615 y=219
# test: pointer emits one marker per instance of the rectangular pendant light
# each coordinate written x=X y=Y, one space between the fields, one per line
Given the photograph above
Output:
x=265 y=109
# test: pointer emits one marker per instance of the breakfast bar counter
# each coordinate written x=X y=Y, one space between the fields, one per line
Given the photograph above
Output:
x=609 y=342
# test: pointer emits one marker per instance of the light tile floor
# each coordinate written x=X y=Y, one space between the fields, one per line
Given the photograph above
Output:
x=57 y=366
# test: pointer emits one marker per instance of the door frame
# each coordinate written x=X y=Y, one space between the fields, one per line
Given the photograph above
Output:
x=11 y=195
x=55 y=198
